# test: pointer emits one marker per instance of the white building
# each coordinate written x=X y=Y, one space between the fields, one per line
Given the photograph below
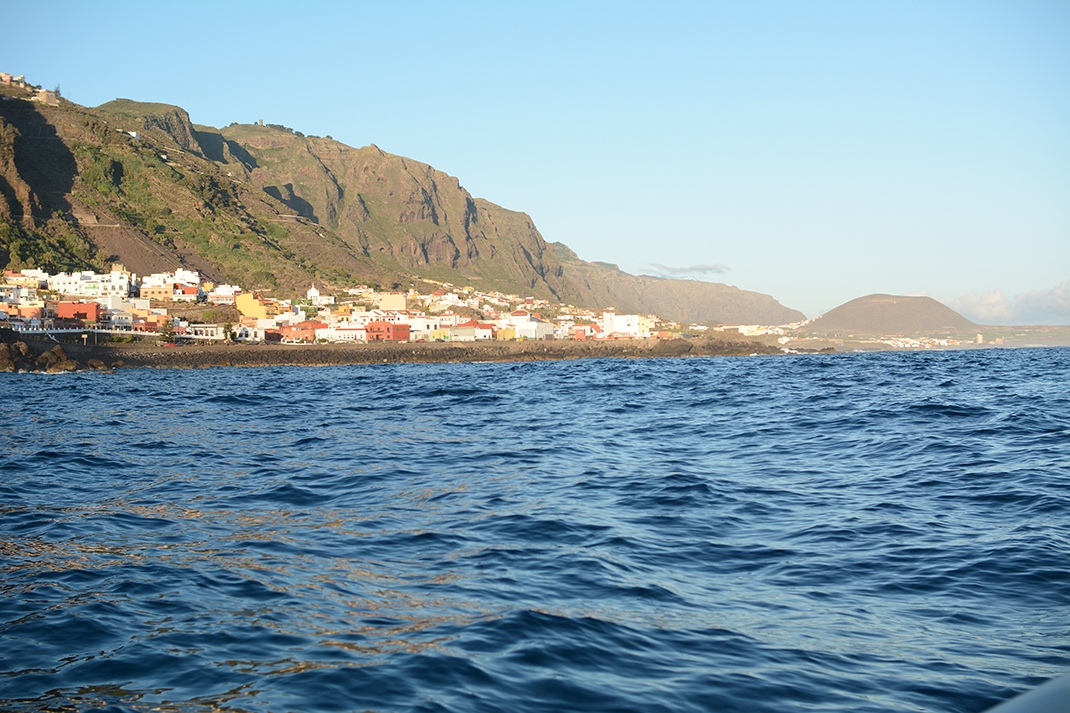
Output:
x=421 y=326
x=206 y=331
x=534 y=330
x=187 y=293
x=317 y=299
x=342 y=333
x=161 y=279
x=526 y=325
x=224 y=294
x=449 y=319
x=471 y=331
x=513 y=319
x=27 y=277
x=379 y=315
x=121 y=320
x=625 y=325
x=14 y=294
x=89 y=284
x=280 y=320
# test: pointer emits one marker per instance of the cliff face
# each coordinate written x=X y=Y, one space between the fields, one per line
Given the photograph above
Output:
x=16 y=198
x=160 y=121
x=399 y=212
x=274 y=210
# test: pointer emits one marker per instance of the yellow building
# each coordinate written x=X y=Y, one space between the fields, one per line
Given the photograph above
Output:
x=440 y=335
x=253 y=305
x=507 y=334
x=393 y=300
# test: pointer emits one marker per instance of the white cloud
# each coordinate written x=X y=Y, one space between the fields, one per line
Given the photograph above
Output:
x=1051 y=306
x=716 y=269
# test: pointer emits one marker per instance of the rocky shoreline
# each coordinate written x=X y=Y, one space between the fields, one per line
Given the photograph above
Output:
x=23 y=354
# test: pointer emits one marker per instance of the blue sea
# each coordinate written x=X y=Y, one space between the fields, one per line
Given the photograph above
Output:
x=848 y=532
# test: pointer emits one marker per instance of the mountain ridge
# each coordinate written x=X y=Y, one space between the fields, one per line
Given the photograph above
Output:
x=273 y=209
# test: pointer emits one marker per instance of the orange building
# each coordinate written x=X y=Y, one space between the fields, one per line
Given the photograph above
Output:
x=85 y=311
x=387 y=332
x=302 y=331
x=167 y=292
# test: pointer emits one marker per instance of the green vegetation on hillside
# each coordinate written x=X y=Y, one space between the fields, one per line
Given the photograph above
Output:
x=271 y=209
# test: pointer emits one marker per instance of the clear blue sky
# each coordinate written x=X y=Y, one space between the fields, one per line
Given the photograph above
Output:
x=819 y=151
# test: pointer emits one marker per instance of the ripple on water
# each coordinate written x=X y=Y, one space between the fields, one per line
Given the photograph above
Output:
x=845 y=532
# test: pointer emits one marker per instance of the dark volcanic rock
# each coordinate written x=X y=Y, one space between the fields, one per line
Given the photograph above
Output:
x=203 y=356
x=18 y=355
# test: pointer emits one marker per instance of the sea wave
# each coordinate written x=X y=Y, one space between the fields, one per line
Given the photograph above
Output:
x=833 y=532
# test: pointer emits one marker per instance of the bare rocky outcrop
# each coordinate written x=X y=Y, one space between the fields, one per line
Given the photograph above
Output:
x=15 y=356
x=19 y=355
x=55 y=361
x=162 y=120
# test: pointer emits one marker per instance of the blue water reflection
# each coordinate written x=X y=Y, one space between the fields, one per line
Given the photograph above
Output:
x=846 y=532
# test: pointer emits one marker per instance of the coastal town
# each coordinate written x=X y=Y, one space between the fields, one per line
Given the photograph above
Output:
x=120 y=305
x=181 y=307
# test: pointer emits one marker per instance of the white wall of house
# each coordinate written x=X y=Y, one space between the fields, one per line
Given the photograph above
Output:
x=421 y=326
x=161 y=279
x=534 y=330
x=224 y=294
x=89 y=284
x=337 y=333
x=122 y=320
x=627 y=325
x=206 y=331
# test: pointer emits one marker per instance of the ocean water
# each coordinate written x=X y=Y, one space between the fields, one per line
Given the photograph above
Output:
x=855 y=532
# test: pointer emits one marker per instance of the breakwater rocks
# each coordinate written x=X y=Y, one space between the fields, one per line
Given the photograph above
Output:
x=50 y=357
x=201 y=356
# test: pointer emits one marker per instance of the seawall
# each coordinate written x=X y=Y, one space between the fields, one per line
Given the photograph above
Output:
x=200 y=356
